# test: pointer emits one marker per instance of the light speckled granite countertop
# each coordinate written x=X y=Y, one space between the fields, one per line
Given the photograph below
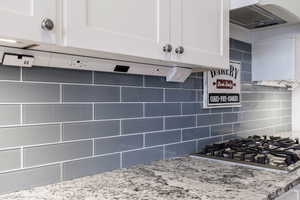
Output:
x=180 y=178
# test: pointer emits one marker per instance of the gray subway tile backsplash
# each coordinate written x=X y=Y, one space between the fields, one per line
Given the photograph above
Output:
x=162 y=109
x=11 y=159
x=195 y=133
x=10 y=73
x=193 y=108
x=209 y=119
x=143 y=156
x=28 y=178
x=29 y=135
x=90 y=166
x=106 y=78
x=83 y=93
x=47 y=113
x=246 y=67
x=163 y=137
x=131 y=94
x=221 y=110
x=246 y=76
x=86 y=130
x=10 y=114
x=180 y=122
x=247 y=58
x=141 y=125
x=223 y=129
x=118 y=144
x=235 y=55
x=40 y=155
x=193 y=83
x=240 y=45
x=17 y=92
x=73 y=123
x=44 y=74
x=118 y=111
x=175 y=95
x=160 y=82
x=230 y=117
x=185 y=148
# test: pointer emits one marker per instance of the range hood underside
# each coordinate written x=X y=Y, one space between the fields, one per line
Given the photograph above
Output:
x=282 y=84
x=262 y=16
x=253 y=17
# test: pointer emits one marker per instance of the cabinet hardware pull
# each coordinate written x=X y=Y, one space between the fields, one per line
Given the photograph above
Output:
x=47 y=24
x=179 y=50
x=167 y=48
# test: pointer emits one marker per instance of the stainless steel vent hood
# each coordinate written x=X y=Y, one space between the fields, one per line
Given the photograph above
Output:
x=254 y=14
x=252 y=17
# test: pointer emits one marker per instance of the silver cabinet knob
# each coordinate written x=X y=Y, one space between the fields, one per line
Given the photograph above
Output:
x=47 y=24
x=179 y=50
x=167 y=48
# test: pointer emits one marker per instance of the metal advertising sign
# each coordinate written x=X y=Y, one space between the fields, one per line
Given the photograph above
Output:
x=222 y=88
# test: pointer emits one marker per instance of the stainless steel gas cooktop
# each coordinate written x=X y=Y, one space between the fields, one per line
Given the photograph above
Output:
x=257 y=151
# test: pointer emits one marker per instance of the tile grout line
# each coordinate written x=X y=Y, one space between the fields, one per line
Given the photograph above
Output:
x=60 y=93
x=120 y=124
x=61 y=132
x=93 y=111
x=21 y=114
x=181 y=135
x=21 y=74
x=61 y=171
x=121 y=89
x=93 y=77
x=121 y=160
x=93 y=147
x=222 y=118
x=22 y=157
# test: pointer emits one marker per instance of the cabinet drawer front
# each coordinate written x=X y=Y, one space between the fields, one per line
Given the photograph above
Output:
x=129 y=27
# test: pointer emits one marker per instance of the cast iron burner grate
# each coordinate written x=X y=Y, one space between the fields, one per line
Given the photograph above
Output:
x=261 y=151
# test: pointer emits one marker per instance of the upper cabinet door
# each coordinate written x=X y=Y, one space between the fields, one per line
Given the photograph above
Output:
x=202 y=30
x=22 y=20
x=129 y=27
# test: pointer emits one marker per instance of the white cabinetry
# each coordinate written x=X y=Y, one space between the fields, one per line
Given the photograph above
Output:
x=202 y=30
x=23 y=20
x=130 y=27
x=198 y=31
x=186 y=33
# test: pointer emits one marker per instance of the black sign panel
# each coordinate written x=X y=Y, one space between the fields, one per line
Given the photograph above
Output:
x=217 y=98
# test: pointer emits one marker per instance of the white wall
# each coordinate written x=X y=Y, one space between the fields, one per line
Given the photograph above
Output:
x=296 y=109
x=259 y=36
x=242 y=34
x=239 y=33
